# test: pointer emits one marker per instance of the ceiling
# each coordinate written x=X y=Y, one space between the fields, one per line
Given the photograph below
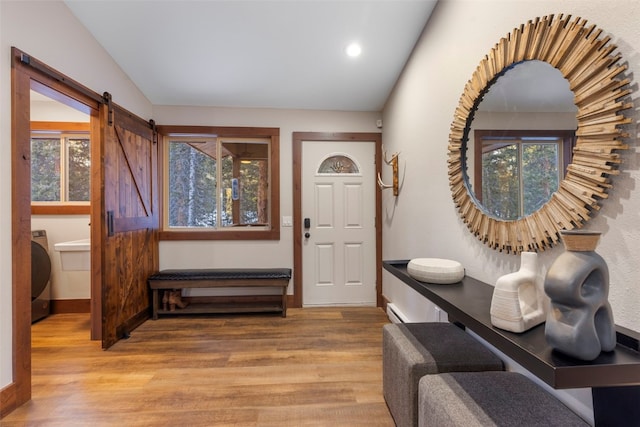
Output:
x=261 y=53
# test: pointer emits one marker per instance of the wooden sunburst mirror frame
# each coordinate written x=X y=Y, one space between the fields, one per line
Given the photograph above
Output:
x=587 y=62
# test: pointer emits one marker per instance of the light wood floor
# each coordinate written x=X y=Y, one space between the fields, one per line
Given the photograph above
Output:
x=317 y=367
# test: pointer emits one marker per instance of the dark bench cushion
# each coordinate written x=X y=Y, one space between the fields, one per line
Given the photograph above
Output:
x=223 y=274
x=489 y=399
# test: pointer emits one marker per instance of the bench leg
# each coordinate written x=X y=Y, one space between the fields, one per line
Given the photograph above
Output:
x=284 y=301
x=155 y=304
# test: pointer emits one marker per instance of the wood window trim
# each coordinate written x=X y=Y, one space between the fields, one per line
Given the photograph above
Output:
x=61 y=208
x=65 y=127
x=568 y=141
x=273 y=233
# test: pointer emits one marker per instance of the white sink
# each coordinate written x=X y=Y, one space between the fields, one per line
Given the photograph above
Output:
x=75 y=254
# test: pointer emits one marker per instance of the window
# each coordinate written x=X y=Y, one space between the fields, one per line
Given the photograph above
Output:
x=338 y=164
x=219 y=183
x=516 y=172
x=60 y=164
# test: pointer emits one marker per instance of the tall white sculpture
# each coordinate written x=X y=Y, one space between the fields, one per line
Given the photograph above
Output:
x=519 y=302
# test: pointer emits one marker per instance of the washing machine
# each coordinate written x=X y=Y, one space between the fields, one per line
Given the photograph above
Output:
x=40 y=276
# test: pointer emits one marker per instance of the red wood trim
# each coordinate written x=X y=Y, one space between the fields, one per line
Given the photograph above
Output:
x=8 y=400
x=61 y=126
x=60 y=209
x=244 y=234
x=65 y=90
x=62 y=94
x=43 y=69
x=224 y=131
x=21 y=227
x=59 y=306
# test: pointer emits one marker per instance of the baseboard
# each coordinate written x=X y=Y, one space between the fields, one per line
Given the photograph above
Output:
x=7 y=400
x=60 y=306
x=395 y=315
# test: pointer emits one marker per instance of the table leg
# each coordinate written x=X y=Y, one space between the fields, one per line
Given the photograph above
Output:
x=616 y=406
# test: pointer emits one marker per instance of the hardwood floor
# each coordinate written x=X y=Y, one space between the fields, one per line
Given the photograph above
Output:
x=317 y=367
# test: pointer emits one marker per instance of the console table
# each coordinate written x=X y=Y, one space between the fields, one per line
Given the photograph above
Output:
x=614 y=377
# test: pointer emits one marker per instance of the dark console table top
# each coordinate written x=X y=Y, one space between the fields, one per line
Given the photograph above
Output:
x=468 y=302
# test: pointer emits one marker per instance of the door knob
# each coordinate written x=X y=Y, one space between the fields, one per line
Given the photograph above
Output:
x=307 y=235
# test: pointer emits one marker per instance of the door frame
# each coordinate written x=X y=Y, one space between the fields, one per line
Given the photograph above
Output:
x=28 y=72
x=298 y=140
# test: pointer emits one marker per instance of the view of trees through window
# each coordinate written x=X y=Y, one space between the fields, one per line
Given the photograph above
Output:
x=204 y=192
x=60 y=168
x=518 y=177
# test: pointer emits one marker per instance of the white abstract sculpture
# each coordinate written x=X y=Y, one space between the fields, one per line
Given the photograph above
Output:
x=519 y=302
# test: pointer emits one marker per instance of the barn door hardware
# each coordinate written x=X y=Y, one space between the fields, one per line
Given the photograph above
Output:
x=106 y=99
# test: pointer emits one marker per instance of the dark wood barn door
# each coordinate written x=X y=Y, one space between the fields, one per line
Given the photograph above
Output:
x=130 y=227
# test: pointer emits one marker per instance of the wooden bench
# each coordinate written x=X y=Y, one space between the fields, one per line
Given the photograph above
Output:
x=221 y=278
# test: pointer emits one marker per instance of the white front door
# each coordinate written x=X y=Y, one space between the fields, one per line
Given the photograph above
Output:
x=338 y=199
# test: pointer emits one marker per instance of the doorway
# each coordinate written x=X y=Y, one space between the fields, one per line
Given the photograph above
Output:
x=302 y=140
x=124 y=223
x=338 y=207
x=29 y=75
x=60 y=195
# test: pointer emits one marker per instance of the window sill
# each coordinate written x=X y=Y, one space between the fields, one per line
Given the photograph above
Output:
x=233 y=234
x=60 y=209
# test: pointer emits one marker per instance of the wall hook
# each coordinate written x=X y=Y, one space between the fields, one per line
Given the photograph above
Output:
x=393 y=161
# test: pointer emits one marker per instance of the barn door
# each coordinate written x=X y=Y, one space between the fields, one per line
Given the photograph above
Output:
x=130 y=226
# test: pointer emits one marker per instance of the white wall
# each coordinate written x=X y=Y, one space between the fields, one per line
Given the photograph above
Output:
x=65 y=284
x=49 y=32
x=423 y=221
x=212 y=254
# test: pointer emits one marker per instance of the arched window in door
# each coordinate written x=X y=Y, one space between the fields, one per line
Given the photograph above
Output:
x=338 y=164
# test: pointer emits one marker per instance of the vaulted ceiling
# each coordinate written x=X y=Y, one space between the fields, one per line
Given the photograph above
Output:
x=260 y=53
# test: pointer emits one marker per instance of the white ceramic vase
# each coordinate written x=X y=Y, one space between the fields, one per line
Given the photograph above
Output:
x=519 y=302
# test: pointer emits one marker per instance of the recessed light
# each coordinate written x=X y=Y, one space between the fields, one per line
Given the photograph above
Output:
x=354 y=50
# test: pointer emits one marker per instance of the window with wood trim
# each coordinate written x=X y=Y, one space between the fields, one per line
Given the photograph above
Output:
x=220 y=183
x=60 y=166
x=517 y=171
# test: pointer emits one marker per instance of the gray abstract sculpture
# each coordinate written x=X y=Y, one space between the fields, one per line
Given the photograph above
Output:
x=580 y=321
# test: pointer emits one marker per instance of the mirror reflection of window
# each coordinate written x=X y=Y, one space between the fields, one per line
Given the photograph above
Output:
x=527 y=117
x=519 y=174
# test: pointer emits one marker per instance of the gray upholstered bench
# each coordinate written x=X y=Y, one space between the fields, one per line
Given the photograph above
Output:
x=412 y=350
x=221 y=278
x=489 y=399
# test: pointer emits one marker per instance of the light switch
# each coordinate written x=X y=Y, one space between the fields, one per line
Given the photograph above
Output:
x=287 y=221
